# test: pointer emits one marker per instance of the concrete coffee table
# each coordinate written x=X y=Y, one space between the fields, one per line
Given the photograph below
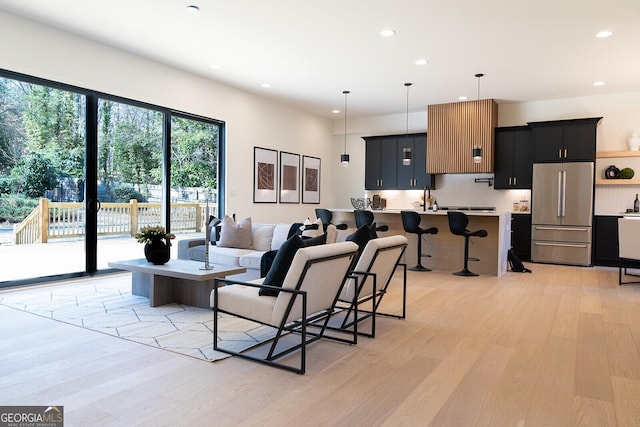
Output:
x=178 y=281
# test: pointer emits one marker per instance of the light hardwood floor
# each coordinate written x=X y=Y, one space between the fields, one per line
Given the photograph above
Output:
x=558 y=347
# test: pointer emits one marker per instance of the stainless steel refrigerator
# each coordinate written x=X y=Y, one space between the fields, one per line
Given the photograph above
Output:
x=561 y=213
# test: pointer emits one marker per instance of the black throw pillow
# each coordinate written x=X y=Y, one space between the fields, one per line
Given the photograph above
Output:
x=314 y=241
x=361 y=237
x=281 y=264
x=267 y=261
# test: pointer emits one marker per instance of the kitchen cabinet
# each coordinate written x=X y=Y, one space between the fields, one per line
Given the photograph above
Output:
x=513 y=160
x=605 y=240
x=413 y=176
x=384 y=169
x=521 y=235
x=380 y=166
x=564 y=140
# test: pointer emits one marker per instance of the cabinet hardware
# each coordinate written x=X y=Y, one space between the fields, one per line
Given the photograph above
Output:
x=565 y=153
x=515 y=180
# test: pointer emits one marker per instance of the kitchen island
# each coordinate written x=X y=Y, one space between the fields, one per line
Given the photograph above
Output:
x=446 y=249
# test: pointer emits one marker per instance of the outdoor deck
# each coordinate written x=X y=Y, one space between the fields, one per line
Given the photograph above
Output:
x=19 y=262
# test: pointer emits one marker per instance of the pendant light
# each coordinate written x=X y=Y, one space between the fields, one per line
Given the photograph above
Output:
x=344 y=157
x=406 y=151
x=476 y=152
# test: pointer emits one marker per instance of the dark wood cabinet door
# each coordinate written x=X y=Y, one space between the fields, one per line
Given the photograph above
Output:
x=522 y=159
x=503 y=160
x=605 y=240
x=580 y=142
x=547 y=144
x=521 y=235
x=372 y=164
x=388 y=164
x=513 y=161
x=406 y=173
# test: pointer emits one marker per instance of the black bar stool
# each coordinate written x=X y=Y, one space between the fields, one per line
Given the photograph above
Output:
x=411 y=224
x=364 y=217
x=458 y=222
x=326 y=216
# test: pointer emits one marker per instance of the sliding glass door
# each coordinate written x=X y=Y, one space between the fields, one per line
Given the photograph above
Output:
x=82 y=172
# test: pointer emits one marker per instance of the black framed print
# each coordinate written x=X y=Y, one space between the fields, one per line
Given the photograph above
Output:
x=289 y=177
x=265 y=175
x=310 y=179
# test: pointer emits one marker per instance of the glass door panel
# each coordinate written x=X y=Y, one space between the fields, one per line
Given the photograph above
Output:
x=129 y=178
x=194 y=176
x=42 y=146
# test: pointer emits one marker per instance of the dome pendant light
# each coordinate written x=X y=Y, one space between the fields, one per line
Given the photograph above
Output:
x=406 y=152
x=344 y=157
x=476 y=152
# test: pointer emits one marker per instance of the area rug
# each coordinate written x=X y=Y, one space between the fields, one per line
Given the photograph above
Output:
x=105 y=304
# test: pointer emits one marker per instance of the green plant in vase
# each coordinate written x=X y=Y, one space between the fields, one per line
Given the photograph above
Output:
x=157 y=242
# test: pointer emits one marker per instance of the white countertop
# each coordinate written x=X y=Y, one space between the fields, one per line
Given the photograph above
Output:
x=438 y=212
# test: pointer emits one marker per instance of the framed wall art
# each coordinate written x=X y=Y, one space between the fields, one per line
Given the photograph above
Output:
x=265 y=175
x=310 y=179
x=289 y=177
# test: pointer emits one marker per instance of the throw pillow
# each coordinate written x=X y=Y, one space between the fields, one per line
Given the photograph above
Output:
x=281 y=264
x=235 y=235
x=314 y=241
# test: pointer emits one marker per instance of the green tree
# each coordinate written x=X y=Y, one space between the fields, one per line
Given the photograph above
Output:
x=194 y=153
x=54 y=123
x=33 y=175
x=12 y=135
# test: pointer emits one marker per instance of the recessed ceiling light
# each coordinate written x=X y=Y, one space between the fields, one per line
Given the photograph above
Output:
x=598 y=83
x=216 y=66
x=421 y=61
x=462 y=98
x=387 y=33
x=335 y=111
x=604 y=34
x=266 y=85
x=193 y=8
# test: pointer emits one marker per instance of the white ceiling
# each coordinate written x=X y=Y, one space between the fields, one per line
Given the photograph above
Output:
x=310 y=51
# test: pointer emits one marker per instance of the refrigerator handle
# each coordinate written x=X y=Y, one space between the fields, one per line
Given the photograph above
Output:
x=564 y=193
x=560 y=195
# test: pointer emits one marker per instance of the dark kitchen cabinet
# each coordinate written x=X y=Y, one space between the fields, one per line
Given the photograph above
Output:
x=521 y=235
x=380 y=166
x=564 y=140
x=605 y=240
x=513 y=161
x=414 y=175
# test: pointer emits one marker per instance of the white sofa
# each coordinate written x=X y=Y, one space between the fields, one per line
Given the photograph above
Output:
x=265 y=237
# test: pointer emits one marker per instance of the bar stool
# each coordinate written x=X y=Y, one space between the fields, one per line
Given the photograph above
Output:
x=458 y=222
x=326 y=217
x=364 y=217
x=411 y=224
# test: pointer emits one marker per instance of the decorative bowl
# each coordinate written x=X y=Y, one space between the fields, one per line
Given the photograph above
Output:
x=360 y=203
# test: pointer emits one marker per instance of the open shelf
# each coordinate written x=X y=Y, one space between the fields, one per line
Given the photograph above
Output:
x=601 y=181
x=609 y=154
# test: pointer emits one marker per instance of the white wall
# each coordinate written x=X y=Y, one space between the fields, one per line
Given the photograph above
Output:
x=41 y=51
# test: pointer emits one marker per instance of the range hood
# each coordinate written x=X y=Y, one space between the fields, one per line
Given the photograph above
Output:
x=454 y=129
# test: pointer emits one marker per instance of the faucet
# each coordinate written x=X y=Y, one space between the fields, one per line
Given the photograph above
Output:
x=425 y=195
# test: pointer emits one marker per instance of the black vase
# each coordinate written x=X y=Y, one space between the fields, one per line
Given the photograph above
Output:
x=157 y=252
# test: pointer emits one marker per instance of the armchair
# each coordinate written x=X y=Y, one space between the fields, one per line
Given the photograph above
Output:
x=369 y=282
x=301 y=308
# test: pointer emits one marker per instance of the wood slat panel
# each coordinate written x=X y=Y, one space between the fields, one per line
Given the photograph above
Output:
x=454 y=129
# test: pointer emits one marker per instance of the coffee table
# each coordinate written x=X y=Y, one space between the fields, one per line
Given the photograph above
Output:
x=177 y=281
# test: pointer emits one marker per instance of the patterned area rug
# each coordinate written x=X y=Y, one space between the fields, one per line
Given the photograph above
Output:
x=105 y=304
